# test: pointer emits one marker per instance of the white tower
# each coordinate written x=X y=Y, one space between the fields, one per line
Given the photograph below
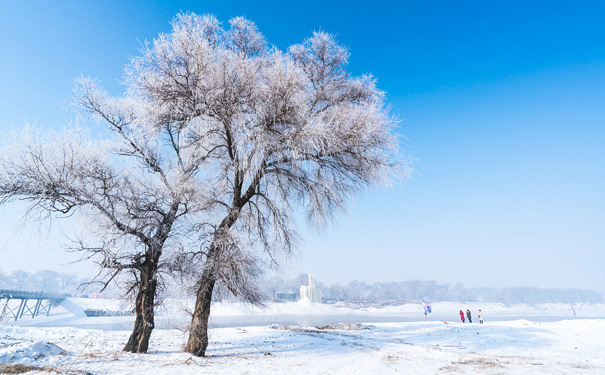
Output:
x=310 y=292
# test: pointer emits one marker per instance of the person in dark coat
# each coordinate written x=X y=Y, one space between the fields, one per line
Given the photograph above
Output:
x=468 y=315
x=462 y=316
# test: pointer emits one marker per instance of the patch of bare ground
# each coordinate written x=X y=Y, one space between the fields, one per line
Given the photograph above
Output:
x=18 y=368
x=329 y=327
x=477 y=363
x=344 y=327
x=482 y=362
x=391 y=359
x=92 y=355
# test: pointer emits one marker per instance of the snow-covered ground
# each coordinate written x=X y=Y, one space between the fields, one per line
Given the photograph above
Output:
x=172 y=314
x=518 y=346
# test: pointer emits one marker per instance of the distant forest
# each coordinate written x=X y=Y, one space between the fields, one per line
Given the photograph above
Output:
x=416 y=290
x=353 y=292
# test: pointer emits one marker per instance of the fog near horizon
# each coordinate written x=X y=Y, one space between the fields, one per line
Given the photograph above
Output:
x=508 y=133
x=35 y=246
x=276 y=288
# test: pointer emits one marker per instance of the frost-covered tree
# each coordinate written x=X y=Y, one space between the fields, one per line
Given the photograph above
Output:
x=136 y=185
x=218 y=134
x=282 y=129
x=47 y=281
x=68 y=283
x=20 y=280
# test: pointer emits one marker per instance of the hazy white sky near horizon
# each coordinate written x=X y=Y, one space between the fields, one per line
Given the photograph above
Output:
x=504 y=109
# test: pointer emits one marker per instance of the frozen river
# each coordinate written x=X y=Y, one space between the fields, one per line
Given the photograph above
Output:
x=172 y=315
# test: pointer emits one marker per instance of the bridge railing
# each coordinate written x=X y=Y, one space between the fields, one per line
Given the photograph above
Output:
x=25 y=308
x=22 y=294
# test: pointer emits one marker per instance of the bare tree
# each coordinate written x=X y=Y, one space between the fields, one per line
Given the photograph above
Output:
x=136 y=185
x=282 y=129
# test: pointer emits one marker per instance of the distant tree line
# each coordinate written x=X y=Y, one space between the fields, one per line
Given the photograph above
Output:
x=353 y=292
x=415 y=290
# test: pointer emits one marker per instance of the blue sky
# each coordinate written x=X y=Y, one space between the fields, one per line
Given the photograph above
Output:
x=502 y=105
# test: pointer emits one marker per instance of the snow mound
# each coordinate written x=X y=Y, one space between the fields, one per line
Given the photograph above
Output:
x=28 y=351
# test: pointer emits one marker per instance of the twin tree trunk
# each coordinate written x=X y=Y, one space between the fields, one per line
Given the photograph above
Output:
x=145 y=300
x=145 y=303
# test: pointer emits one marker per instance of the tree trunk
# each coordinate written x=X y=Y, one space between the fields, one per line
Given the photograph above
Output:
x=198 y=334
x=144 y=309
x=198 y=331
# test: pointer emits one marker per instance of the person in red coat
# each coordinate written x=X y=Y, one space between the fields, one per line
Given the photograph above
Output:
x=462 y=316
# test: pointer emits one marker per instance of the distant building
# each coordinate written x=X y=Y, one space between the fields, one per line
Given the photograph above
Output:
x=310 y=292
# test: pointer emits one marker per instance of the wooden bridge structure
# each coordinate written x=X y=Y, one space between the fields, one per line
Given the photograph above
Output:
x=19 y=303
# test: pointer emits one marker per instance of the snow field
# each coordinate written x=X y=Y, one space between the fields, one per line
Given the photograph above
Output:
x=513 y=347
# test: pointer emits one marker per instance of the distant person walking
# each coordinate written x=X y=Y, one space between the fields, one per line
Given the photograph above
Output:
x=480 y=316
x=462 y=316
x=427 y=309
x=468 y=315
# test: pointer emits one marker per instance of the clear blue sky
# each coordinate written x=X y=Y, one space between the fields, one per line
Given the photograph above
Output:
x=502 y=103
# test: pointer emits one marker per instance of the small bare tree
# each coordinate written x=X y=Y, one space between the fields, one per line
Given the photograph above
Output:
x=137 y=184
x=281 y=128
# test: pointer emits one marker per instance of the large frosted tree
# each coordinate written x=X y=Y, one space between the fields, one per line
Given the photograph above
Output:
x=222 y=137
x=283 y=129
